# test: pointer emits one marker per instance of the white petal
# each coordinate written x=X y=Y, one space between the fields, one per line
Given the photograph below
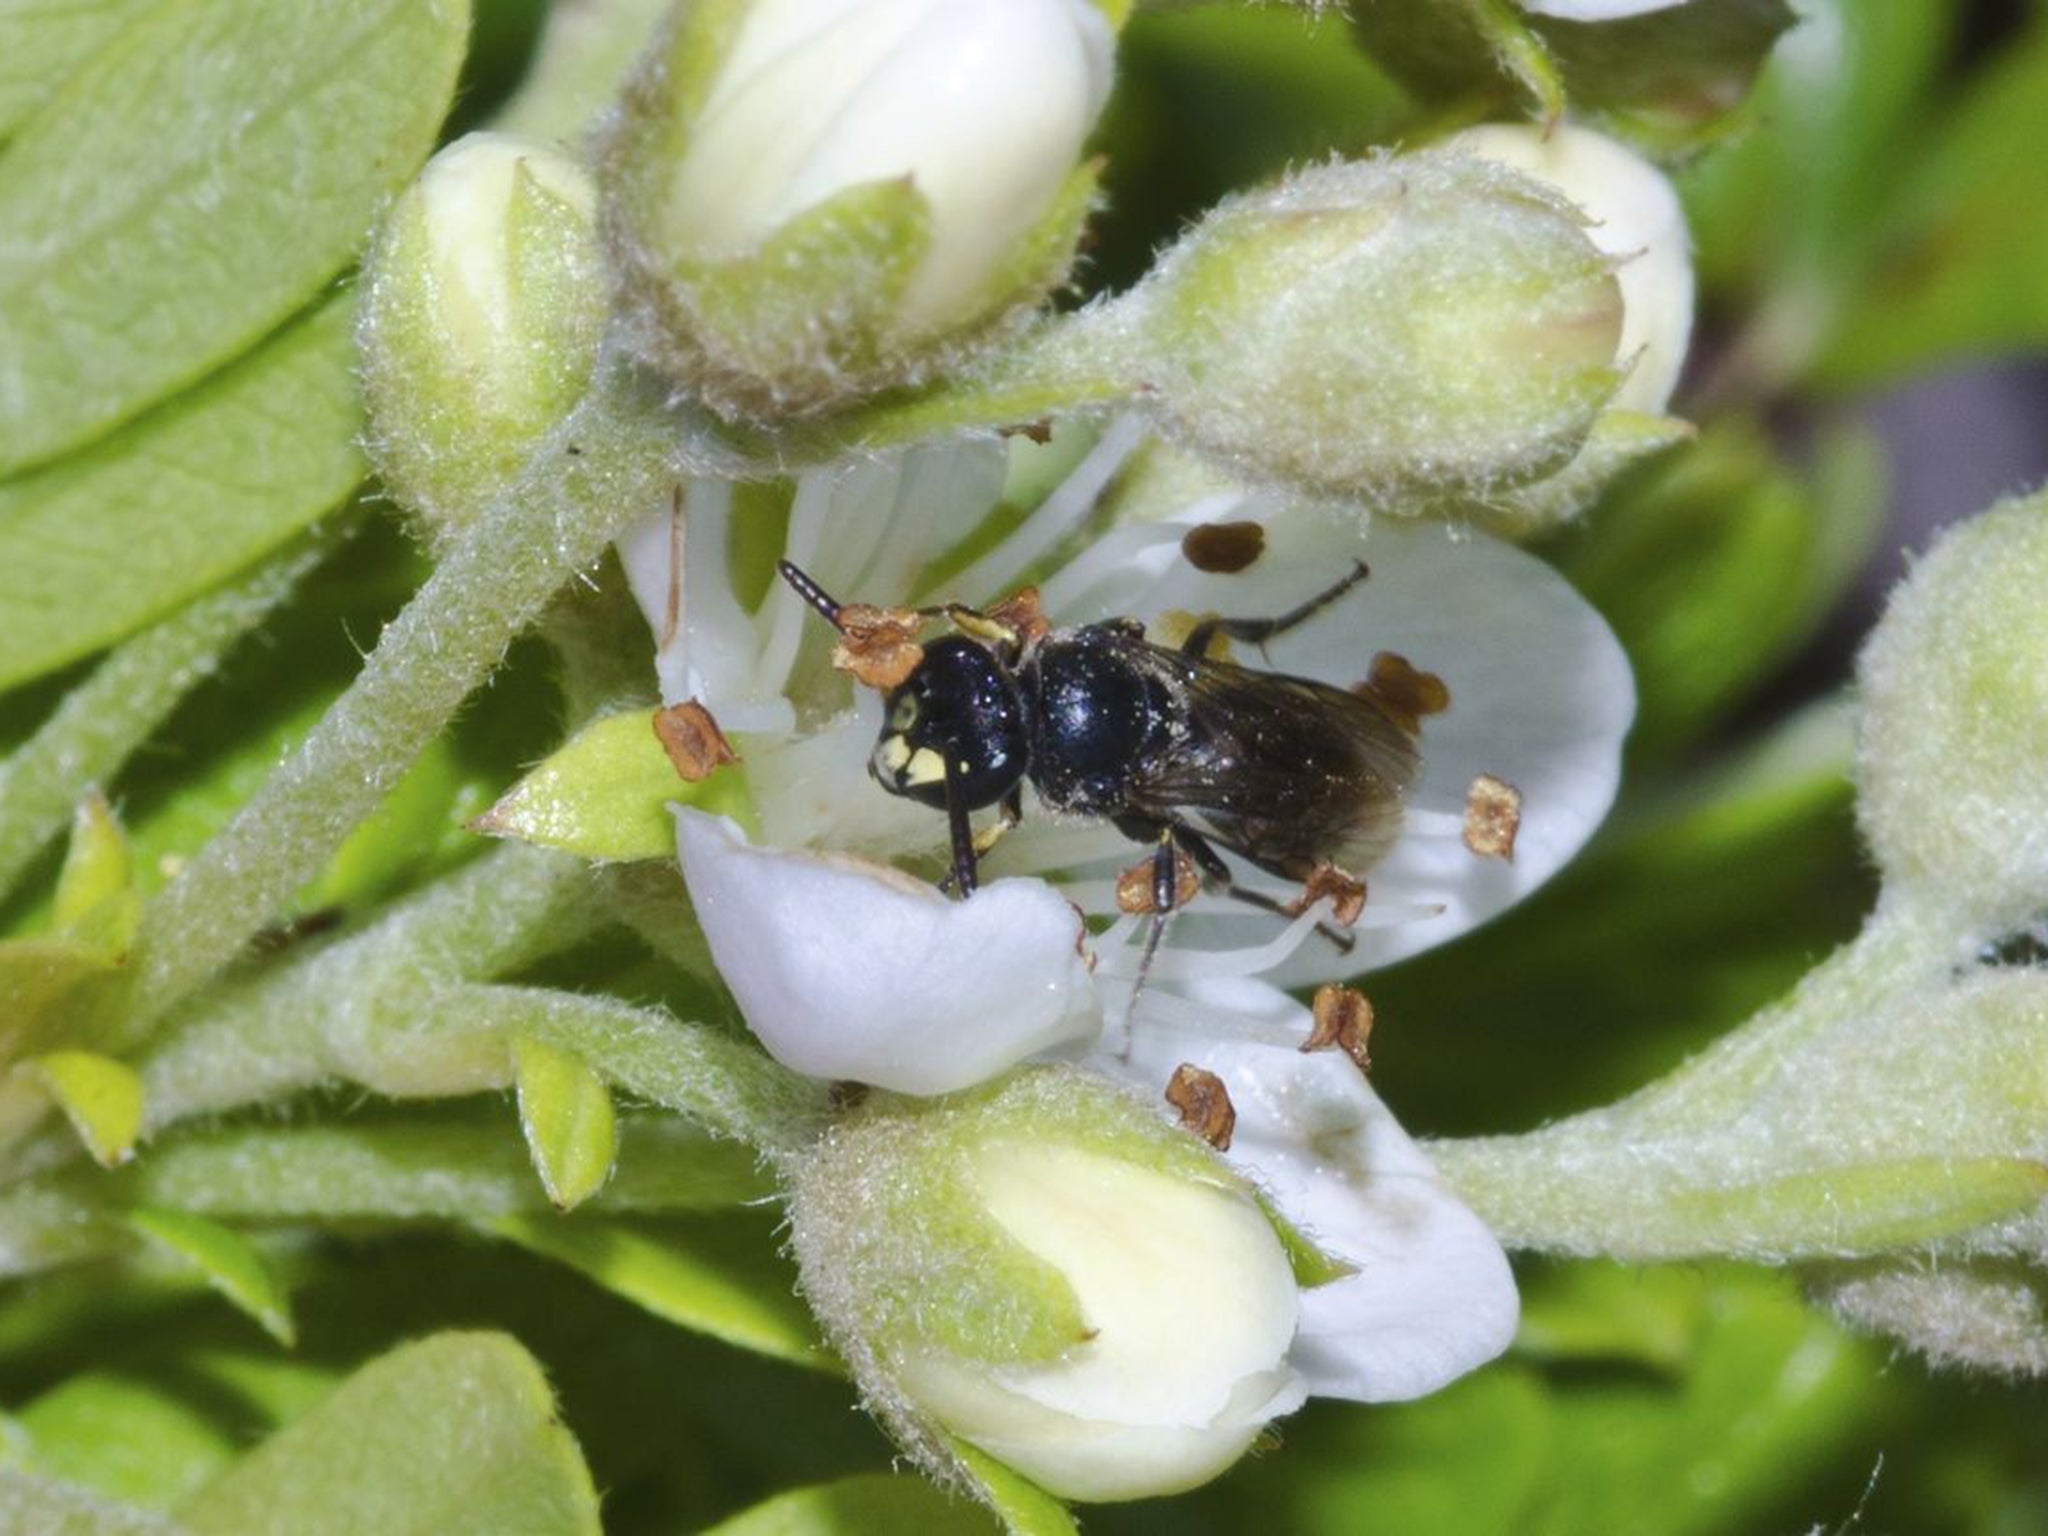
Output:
x=1541 y=696
x=1598 y=10
x=850 y=971
x=1433 y=1297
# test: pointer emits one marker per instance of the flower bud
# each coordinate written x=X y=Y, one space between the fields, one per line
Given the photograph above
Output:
x=1953 y=797
x=1049 y=1272
x=1422 y=326
x=1633 y=215
x=482 y=313
x=811 y=202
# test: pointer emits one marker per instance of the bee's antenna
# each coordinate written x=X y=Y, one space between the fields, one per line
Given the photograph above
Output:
x=810 y=592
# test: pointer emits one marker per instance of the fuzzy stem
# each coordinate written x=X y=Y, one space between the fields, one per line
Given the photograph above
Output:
x=100 y=722
x=613 y=457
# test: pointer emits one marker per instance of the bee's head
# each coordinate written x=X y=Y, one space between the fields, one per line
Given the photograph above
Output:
x=958 y=714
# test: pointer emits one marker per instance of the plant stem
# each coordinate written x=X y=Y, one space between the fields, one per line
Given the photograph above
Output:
x=613 y=457
x=100 y=722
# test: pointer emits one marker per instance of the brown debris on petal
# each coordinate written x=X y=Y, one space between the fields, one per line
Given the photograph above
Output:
x=1408 y=694
x=692 y=739
x=1346 y=894
x=1493 y=815
x=1134 y=885
x=878 y=645
x=1204 y=1104
x=1343 y=1022
x=1022 y=615
x=1039 y=431
x=1223 y=549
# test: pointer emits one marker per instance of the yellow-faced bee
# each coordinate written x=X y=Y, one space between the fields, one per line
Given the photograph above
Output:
x=1177 y=749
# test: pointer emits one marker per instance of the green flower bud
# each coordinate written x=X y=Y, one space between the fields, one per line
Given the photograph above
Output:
x=1426 y=326
x=1954 y=795
x=483 y=308
x=807 y=204
x=1048 y=1271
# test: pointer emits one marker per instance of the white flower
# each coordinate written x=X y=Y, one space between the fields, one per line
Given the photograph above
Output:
x=982 y=105
x=1540 y=693
x=846 y=969
x=1635 y=217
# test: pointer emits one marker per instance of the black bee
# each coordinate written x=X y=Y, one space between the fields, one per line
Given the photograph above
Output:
x=1175 y=748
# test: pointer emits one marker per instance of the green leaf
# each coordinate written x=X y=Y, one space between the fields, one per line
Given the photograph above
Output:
x=98 y=545
x=455 y=1434
x=605 y=795
x=231 y=1264
x=1024 y=1508
x=1957 y=270
x=125 y=1435
x=194 y=185
x=456 y=1164
x=100 y=1096
x=43 y=43
x=38 y=1507
x=96 y=899
x=565 y=1109
x=727 y=1282
x=859 y=1506
x=47 y=987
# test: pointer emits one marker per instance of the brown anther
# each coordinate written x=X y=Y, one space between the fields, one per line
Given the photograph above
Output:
x=1039 y=432
x=1134 y=885
x=1404 y=691
x=1204 y=1104
x=1023 y=615
x=1346 y=894
x=692 y=739
x=1493 y=815
x=1223 y=549
x=1343 y=1022
x=878 y=645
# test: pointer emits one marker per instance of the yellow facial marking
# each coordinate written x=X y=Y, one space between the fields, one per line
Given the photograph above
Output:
x=903 y=715
x=892 y=752
x=925 y=767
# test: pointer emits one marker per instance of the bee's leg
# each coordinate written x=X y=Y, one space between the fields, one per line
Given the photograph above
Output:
x=1008 y=814
x=963 y=876
x=1259 y=631
x=1210 y=862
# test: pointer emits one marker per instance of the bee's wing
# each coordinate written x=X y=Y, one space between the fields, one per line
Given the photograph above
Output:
x=1284 y=770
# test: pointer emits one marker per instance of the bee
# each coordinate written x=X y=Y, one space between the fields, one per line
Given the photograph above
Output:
x=1177 y=749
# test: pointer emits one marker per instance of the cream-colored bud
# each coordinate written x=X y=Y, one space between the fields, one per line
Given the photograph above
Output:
x=812 y=198
x=1633 y=215
x=1052 y=1274
x=1407 y=330
x=484 y=307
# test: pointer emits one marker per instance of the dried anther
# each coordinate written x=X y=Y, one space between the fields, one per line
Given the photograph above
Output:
x=692 y=739
x=1223 y=549
x=1134 y=893
x=1204 y=1104
x=1493 y=815
x=1346 y=895
x=1022 y=615
x=878 y=645
x=1408 y=694
x=1342 y=1021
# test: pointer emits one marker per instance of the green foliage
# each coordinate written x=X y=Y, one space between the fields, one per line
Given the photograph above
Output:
x=236 y=1015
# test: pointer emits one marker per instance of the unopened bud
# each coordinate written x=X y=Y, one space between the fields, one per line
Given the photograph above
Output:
x=812 y=202
x=482 y=313
x=1633 y=215
x=1423 y=327
x=1953 y=795
x=1049 y=1272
